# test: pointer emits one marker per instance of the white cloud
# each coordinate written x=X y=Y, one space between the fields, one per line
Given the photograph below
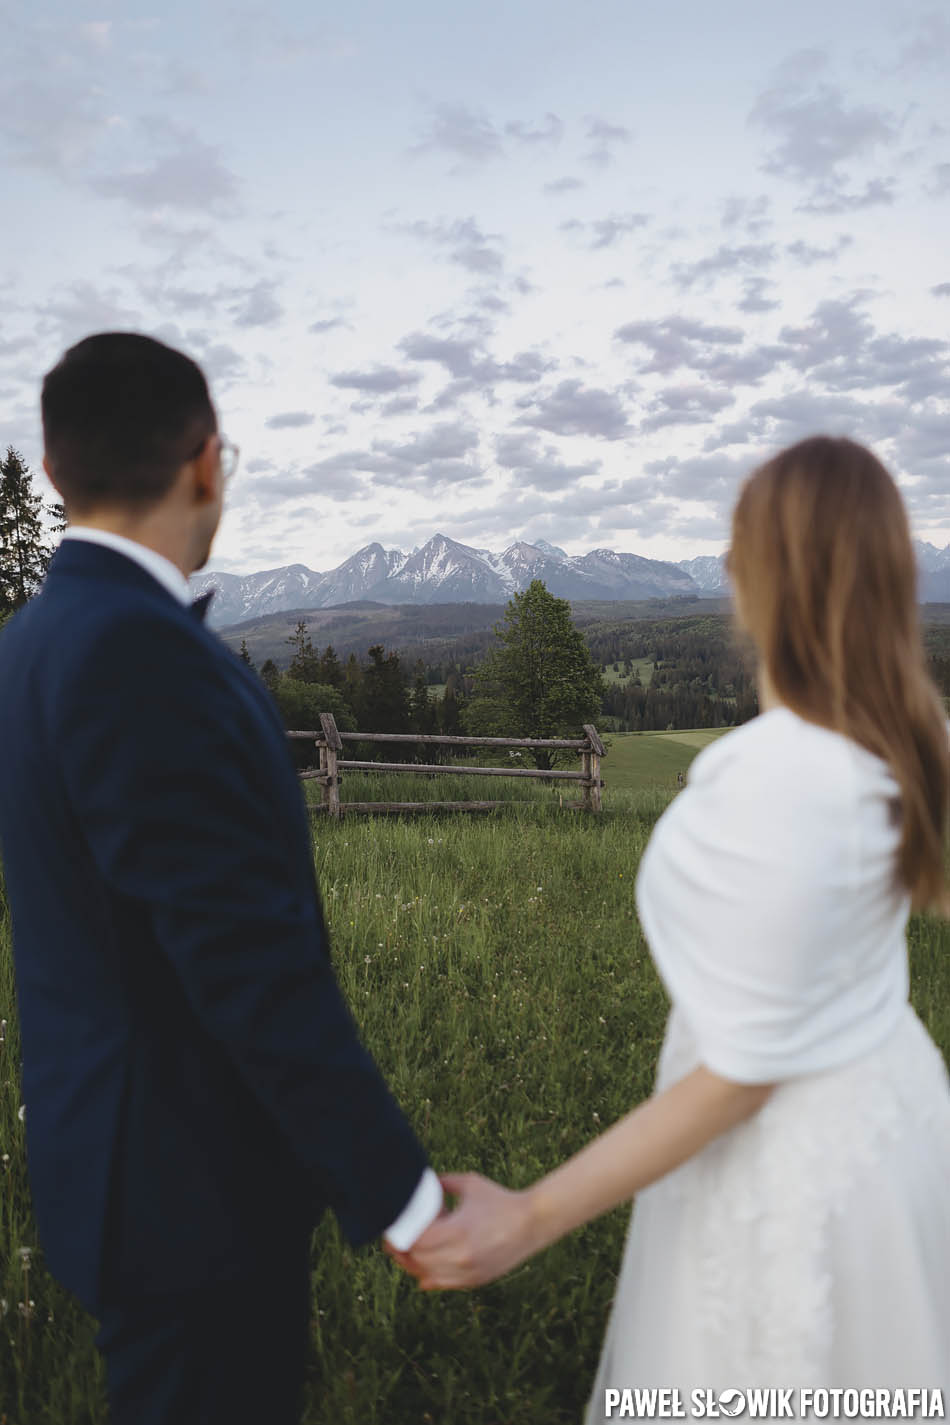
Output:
x=515 y=335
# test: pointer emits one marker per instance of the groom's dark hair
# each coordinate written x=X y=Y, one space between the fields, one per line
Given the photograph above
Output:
x=122 y=412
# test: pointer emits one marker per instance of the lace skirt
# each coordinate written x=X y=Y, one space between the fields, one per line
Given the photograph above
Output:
x=807 y=1247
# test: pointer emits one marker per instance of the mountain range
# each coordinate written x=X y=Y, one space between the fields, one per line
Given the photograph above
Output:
x=442 y=571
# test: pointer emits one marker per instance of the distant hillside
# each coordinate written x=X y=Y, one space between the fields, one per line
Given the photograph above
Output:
x=355 y=627
x=440 y=633
x=433 y=632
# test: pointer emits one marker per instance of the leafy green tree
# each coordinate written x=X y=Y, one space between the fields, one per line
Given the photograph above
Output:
x=300 y=706
x=540 y=679
x=302 y=703
x=24 y=553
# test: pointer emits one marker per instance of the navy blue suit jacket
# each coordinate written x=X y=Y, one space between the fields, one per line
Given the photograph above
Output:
x=196 y=1092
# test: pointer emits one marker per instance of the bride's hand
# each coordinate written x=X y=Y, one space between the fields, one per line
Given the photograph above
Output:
x=491 y=1231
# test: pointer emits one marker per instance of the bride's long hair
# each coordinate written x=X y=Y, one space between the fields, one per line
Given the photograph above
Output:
x=824 y=568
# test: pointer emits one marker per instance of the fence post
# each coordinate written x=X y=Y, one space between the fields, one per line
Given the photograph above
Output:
x=592 y=796
x=334 y=746
x=587 y=782
x=324 y=785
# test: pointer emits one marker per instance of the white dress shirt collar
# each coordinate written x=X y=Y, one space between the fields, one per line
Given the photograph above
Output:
x=160 y=568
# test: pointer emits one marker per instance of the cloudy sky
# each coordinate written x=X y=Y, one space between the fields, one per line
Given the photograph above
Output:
x=551 y=270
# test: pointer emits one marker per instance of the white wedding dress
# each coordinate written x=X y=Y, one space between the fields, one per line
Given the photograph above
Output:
x=810 y=1245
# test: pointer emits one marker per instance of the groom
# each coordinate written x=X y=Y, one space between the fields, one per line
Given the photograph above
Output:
x=196 y=1092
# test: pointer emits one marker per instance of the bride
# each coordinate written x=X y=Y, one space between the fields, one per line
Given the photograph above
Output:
x=792 y=1168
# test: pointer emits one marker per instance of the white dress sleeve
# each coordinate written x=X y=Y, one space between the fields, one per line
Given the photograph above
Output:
x=752 y=898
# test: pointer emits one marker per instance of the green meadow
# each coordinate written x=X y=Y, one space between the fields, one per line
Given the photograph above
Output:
x=498 y=973
x=641 y=668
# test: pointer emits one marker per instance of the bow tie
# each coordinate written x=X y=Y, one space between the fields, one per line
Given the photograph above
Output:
x=199 y=608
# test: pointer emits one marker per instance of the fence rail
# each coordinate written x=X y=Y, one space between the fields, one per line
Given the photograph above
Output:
x=329 y=744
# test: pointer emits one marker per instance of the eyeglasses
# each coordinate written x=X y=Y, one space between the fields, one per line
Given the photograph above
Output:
x=228 y=455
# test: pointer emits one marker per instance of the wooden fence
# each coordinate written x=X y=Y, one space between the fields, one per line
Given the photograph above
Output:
x=329 y=743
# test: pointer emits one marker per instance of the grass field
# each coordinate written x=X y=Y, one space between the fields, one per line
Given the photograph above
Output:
x=639 y=667
x=498 y=973
x=641 y=760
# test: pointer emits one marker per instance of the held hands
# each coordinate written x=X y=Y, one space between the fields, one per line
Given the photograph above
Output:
x=490 y=1231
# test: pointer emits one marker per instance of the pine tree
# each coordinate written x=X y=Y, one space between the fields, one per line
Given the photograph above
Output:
x=24 y=553
x=305 y=665
x=245 y=654
x=270 y=674
x=353 y=683
x=422 y=709
x=450 y=716
x=331 y=669
x=56 y=514
x=542 y=681
x=384 y=703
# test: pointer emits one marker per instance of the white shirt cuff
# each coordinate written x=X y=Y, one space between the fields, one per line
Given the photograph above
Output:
x=419 y=1213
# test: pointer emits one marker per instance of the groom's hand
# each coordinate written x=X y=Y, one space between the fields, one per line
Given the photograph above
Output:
x=404 y=1258
x=490 y=1231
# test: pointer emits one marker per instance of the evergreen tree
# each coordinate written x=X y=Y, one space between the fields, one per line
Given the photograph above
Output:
x=541 y=681
x=450 y=717
x=24 y=553
x=331 y=669
x=424 y=716
x=270 y=674
x=422 y=709
x=244 y=654
x=384 y=703
x=353 y=684
x=305 y=664
x=56 y=514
